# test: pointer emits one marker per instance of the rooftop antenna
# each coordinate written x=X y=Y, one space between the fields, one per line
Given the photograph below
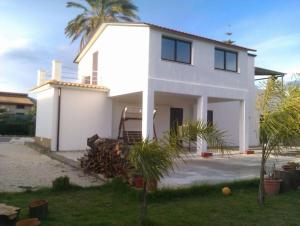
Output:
x=228 y=34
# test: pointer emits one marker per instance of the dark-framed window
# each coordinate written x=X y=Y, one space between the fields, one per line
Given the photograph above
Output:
x=226 y=60
x=20 y=106
x=176 y=50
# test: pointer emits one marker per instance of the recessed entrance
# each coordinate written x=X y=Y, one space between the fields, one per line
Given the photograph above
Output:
x=176 y=117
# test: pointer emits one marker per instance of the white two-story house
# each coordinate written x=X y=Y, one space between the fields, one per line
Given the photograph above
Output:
x=177 y=75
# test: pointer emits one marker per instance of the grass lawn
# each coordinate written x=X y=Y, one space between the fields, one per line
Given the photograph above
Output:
x=116 y=204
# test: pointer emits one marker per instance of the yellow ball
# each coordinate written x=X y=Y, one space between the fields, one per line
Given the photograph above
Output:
x=226 y=191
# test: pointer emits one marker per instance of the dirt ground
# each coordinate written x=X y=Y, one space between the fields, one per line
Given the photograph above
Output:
x=22 y=167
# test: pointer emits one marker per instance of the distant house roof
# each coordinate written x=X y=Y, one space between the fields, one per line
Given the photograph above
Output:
x=8 y=98
x=264 y=72
x=157 y=27
x=71 y=84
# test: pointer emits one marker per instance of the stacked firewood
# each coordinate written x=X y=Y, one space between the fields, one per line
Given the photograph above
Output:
x=105 y=156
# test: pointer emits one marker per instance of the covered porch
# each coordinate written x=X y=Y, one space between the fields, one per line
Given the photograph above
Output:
x=229 y=115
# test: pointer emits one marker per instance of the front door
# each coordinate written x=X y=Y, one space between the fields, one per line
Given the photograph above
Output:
x=176 y=118
x=210 y=117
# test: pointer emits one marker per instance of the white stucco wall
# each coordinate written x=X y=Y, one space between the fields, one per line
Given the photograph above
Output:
x=44 y=113
x=202 y=69
x=83 y=114
x=123 y=56
x=128 y=55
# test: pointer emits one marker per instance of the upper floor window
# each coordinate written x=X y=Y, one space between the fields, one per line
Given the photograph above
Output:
x=176 y=50
x=20 y=106
x=95 y=68
x=226 y=60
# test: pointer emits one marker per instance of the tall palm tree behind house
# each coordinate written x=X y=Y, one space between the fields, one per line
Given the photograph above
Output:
x=94 y=13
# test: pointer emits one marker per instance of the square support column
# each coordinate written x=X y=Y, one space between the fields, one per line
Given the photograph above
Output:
x=201 y=116
x=147 y=114
x=244 y=127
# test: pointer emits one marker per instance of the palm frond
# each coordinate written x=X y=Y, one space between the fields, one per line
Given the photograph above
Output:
x=76 y=5
x=95 y=12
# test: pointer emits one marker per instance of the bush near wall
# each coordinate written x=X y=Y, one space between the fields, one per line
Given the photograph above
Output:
x=17 y=125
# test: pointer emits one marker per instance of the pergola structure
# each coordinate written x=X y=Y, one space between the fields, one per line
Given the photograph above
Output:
x=266 y=73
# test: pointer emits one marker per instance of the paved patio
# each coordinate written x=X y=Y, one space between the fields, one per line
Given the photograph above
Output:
x=196 y=169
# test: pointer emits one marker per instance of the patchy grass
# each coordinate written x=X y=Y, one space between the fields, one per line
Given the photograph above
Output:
x=116 y=204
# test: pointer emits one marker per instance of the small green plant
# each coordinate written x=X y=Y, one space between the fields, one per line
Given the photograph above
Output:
x=61 y=184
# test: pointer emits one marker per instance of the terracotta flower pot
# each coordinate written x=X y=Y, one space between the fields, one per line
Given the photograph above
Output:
x=272 y=186
x=138 y=181
x=29 y=222
x=38 y=209
x=250 y=152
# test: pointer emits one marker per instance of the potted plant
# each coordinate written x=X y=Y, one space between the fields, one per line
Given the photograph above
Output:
x=272 y=183
x=279 y=125
x=138 y=181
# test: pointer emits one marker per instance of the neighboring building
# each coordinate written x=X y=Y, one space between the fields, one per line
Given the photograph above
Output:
x=180 y=75
x=15 y=103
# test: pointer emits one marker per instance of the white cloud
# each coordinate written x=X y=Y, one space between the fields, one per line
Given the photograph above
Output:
x=7 y=44
x=285 y=41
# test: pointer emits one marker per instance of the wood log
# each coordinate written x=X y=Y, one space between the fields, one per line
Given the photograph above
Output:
x=105 y=156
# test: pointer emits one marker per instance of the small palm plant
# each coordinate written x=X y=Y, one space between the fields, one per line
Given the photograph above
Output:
x=279 y=106
x=152 y=159
x=94 y=13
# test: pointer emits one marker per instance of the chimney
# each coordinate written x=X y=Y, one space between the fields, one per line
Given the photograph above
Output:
x=56 y=70
x=41 y=75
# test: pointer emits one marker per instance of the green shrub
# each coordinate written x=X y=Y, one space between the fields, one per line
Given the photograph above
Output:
x=17 y=124
x=61 y=184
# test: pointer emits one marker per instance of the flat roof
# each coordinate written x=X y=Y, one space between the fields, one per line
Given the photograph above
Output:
x=157 y=27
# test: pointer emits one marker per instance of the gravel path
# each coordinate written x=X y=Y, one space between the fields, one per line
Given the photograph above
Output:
x=21 y=166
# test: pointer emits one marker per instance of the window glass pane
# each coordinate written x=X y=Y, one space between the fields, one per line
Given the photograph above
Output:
x=219 y=59
x=183 y=52
x=168 y=49
x=231 y=61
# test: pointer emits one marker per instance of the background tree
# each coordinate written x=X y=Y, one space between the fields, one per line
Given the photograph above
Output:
x=94 y=13
x=279 y=122
x=153 y=159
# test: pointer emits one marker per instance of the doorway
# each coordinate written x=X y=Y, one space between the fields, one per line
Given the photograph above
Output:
x=176 y=118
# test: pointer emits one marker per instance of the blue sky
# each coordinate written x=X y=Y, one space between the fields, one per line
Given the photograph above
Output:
x=32 y=32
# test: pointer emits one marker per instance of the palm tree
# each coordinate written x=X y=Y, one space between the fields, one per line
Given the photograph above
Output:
x=152 y=159
x=94 y=13
x=279 y=123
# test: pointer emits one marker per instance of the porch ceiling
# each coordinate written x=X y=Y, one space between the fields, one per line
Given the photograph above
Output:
x=162 y=98
x=212 y=100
